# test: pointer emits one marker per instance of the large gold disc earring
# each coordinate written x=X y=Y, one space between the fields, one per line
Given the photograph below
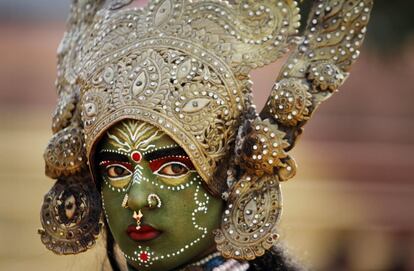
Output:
x=70 y=216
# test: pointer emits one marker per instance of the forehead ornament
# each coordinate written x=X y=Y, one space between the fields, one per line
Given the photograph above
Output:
x=136 y=156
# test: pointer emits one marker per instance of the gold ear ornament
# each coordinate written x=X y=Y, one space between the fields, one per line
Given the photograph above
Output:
x=70 y=216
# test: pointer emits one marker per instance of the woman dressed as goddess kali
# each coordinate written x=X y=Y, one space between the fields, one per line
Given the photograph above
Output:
x=156 y=141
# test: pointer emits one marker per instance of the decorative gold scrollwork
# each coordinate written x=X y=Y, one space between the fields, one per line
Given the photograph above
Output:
x=249 y=223
x=65 y=153
x=64 y=110
x=325 y=75
x=261 y=148
x=70 y=216
x=290 y=101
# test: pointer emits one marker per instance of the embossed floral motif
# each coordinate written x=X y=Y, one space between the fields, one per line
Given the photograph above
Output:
x=187 y=97
x=65 y=153
x=261 y=147
x=325 y=76
x=249 y=223
x=64 y=110
x=94 y=103
x=290 y=101
x=70 y=215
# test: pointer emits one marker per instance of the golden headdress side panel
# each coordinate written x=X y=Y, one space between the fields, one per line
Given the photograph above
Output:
x=65 y=153
x=71 y=210
x=317 y=67
x=321 y=61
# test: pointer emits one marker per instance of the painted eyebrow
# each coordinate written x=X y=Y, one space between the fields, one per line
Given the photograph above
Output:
x=165 y=152
x=111 y=156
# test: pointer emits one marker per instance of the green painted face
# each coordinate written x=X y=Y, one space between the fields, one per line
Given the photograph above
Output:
x=154 y=201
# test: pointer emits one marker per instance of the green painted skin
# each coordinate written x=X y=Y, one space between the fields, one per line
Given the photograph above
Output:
x=186 y=233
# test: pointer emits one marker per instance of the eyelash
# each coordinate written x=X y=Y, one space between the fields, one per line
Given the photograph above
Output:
x=157 y=172
x=106 y=164
x=155 y=165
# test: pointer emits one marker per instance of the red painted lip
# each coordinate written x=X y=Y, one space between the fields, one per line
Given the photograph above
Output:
x=145 y=233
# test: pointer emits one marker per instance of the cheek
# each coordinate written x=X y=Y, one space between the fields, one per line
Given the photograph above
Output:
x=187 y=217
x=208 y=209
x=114 y=213
x=194 y=209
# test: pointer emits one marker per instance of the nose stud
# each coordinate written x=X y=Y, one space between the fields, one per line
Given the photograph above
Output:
x=138 y=216
x=154 y=201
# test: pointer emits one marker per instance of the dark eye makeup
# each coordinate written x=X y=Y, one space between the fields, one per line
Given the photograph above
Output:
x=172 y=169
x=171 y=162
x=157 y=164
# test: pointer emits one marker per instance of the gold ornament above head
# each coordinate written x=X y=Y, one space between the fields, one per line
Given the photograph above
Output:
x=183 y=66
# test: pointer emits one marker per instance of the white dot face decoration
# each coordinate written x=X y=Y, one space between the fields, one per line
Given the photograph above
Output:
x=153 y=199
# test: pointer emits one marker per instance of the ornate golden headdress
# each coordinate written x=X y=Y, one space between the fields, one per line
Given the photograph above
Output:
x=183 y=66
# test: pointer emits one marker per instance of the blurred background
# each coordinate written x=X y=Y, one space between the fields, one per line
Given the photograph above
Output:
x=351 y=206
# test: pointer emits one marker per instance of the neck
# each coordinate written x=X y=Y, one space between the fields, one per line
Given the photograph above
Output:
x=211 y=260
x=203 y=255
x=197 y=261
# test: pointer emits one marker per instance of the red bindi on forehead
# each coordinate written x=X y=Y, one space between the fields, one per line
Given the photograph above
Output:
x=136 y=156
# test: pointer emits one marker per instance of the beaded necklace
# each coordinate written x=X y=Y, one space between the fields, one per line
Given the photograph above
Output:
x=214 y=262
